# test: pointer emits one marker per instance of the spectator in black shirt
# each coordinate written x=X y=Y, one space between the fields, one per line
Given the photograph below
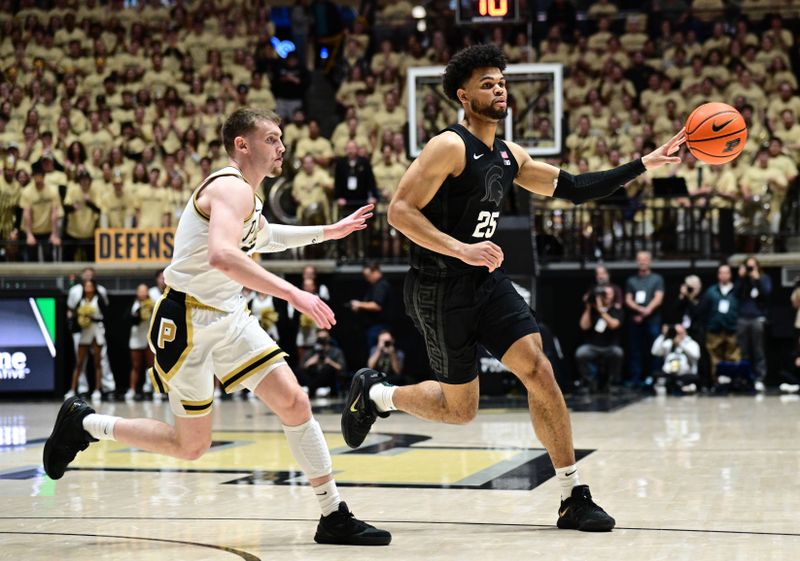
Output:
x=354 y=184
x=290 y=85
x=752 y=290
x=601 y=322
x=375 y=308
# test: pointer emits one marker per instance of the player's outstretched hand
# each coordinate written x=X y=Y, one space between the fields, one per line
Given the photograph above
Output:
x=349 y=224
x=314 y=307
x=483 y=254
x=664 y=154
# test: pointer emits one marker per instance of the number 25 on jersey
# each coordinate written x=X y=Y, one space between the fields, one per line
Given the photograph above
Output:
x=487 y=224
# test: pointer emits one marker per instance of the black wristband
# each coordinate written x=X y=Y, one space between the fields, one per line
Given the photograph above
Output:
x=596 y=185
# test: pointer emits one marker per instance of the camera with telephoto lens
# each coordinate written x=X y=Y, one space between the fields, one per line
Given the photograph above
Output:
x=599 y=292
x=671 y=332
x=387 y=345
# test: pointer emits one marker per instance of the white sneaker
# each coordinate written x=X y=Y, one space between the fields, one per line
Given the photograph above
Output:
x=69 y=394
x=790 y=388
x=689 y=388
x=158 y=396
x=129 y=395
x=724 y=380
x=322 y=392
x=760 y=386
x=97 y=395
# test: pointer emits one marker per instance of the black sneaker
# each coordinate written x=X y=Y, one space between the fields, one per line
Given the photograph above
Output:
x=359 y=411
x=579 y=512
x=68 y=437
x=342 y=528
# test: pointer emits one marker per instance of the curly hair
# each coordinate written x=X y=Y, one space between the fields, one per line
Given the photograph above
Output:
x=464 y=62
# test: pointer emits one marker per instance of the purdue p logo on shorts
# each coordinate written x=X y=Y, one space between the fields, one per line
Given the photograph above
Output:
x=166 y=332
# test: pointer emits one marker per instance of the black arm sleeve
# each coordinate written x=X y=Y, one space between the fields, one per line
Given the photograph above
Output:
x=596 y=185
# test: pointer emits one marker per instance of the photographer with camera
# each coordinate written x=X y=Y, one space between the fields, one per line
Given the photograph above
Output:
x=602 y=278
x=720 y=308
x=387 y=358
x=324 y=367
x=681 y=354
x=753 y=289
x=601 y=321
x=690 y=311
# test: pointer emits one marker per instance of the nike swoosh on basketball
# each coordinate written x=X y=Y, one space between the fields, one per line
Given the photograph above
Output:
x=353 y=406
x=478 y=157
x=716 y=128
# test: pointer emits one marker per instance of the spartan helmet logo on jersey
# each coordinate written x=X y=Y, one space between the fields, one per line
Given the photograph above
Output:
x=494 y=185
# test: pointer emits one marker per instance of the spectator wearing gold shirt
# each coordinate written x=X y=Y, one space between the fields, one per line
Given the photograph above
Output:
x=780 y=160
x=633 y=39
x=390 y=116
x=152 y=203
x=786 y=100
x=789 y=132
x=317 y=146
x=350 y=129
x=295 y=129
x=767 y=182
x=41 y=211
x=97 y=135
x=346 y=95
x=10 y=191
x=600 y=38
x=117 y=206
x=385 y=58
x=82 y=209
x=311 y=188
x=747 y=88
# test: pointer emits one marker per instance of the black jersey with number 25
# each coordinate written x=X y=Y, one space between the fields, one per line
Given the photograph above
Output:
x=467 y=207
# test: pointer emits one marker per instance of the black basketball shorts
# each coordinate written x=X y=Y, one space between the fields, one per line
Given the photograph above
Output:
x=456 y=314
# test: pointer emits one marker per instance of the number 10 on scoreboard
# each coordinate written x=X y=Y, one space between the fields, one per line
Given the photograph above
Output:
x=487 y=11
x=494 y=8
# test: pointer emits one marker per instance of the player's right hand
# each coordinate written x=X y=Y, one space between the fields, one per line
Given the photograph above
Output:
x=314 y=307
x=483 y=254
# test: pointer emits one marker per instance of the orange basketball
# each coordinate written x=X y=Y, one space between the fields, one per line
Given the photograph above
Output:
x=715 y=133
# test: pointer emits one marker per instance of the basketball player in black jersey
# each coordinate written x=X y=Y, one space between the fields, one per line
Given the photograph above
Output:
x=448 y=204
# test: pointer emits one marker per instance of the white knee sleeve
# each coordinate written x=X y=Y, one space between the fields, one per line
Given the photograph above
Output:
x=309 y=448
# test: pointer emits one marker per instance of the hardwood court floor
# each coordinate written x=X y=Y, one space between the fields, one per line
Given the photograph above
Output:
x=686 y=478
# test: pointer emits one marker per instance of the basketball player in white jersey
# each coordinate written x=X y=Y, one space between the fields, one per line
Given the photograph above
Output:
x=201 y=328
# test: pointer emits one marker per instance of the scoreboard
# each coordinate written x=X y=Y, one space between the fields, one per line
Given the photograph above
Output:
x=487 y=11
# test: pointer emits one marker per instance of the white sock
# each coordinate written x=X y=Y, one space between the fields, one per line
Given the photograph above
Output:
x=382 y=394
x=567 y=478
x=328 y=497
x=100 y=427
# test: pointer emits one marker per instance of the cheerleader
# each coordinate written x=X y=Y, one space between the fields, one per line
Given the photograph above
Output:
x=141 y=356
x=264 y=311
x=89 y=315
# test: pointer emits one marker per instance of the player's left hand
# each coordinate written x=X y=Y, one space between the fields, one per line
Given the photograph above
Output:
x=664 y=154
x=348 y=225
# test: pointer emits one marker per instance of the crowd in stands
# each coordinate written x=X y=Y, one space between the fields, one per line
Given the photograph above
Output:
x=110 y=115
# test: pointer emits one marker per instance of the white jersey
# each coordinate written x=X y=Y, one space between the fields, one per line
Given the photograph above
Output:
x=189 y=270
